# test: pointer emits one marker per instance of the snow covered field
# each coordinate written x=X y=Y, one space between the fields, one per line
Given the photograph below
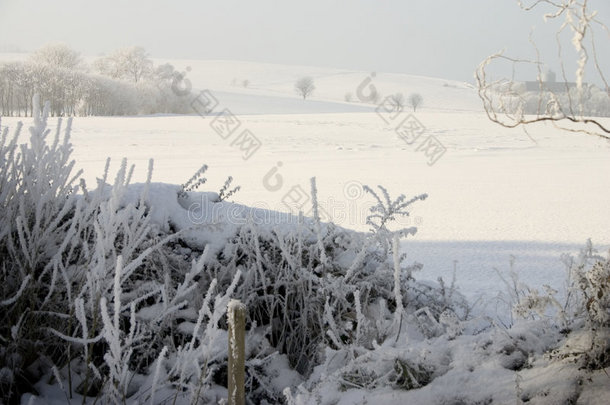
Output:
x=494 y=193
x=497 y=198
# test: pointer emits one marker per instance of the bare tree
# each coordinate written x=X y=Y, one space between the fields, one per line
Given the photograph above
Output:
x=397 y=100
x=508 y=105
x=164 y=73
x=415 y=100
x=305 y=86
x=131 y=63
x=8 y=78
x=57 y=56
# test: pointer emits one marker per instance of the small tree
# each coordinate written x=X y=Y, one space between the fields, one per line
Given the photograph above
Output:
x=305 y=86
x=415 y=100
x=164 y=73
x=398 y=101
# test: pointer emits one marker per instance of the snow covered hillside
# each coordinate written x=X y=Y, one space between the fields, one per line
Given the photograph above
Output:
x=260 y=88
x=274 y=80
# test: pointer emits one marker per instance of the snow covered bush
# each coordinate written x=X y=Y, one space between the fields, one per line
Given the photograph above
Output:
x=555 y=350
x=38 y=201
x=581 y=311
x=81 y=298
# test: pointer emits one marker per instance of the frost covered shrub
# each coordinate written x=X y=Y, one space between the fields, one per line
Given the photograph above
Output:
x=587 y=306
x=303 y=300
x=589 y=277
x=582 y=312
x=37 y=200
x=89 y=294
x=313 y=286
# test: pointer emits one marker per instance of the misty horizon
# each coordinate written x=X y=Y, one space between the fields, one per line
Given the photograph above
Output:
x=438 y=38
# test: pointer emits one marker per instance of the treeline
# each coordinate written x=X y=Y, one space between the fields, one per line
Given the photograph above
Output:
x=590 y=101
x=514 y=98
x=125 y=82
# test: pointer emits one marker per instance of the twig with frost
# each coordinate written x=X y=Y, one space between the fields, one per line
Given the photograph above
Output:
x=317 y=225
x=397 y=285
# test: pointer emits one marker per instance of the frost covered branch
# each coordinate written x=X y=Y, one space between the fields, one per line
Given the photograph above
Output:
x=510 y=105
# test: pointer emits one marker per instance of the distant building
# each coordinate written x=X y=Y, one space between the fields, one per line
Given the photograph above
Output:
x=549 y=83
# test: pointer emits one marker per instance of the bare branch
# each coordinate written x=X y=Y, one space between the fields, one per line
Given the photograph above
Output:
x=510 y=103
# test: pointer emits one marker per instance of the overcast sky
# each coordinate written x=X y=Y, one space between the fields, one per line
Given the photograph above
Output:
x=440 y=38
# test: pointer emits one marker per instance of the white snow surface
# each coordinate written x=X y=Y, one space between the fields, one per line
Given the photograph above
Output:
x=494 y=193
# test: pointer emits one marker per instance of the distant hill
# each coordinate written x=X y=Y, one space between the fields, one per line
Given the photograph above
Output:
x=270 y=87
x=275 y=85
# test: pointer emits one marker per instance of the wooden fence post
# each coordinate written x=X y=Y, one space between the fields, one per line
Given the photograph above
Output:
x=236 y=313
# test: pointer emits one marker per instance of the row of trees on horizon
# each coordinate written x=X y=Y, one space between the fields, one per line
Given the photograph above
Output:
x=125 y=82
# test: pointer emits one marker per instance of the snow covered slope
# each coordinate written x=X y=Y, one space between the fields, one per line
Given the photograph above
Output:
x=331 y=84
x=270 y=87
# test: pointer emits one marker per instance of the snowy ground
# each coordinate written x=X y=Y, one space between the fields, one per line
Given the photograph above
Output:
x=494 y=192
